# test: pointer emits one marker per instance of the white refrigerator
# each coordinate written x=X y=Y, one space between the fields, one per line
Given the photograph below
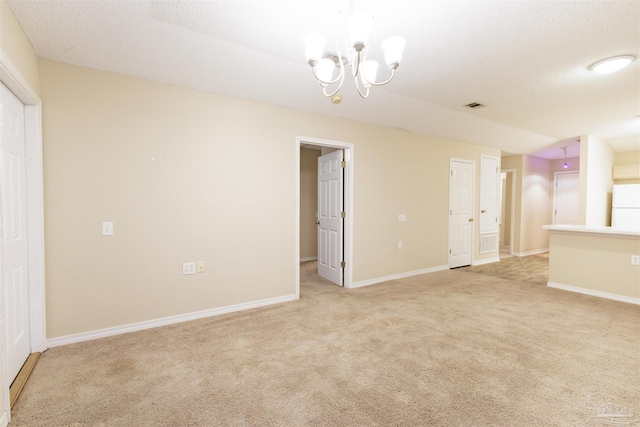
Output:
x=626 y=207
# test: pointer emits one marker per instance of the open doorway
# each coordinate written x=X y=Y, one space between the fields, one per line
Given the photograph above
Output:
x=507 y=212
x=311 y=226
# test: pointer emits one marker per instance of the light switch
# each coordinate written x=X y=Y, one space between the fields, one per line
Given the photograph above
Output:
x=107 y=228
x=402 y=217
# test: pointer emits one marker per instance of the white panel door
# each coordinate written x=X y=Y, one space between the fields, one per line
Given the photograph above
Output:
x=330 y=220
x=489 y=182
x=14 y=231
x=460 y=213
x=566 y=192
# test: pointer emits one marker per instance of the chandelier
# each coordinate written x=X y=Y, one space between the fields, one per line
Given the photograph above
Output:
x=364 y=71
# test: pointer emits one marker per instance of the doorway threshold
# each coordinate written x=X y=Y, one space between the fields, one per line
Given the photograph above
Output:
x=20 y=381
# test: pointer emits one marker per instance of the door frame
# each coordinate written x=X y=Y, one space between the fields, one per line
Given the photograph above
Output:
x=349 y=156
x=555 y=187
x=512 y=228
x=473 y=207
x=11 y=77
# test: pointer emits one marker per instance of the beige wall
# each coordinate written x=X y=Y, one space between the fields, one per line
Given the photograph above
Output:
x=308 y=202
x=15 y=45
x=595 y=262
x=596 y=181
x=534 y=198
x=184 y=178
x=507 y=201
x=627 y=158
x=537 y=199
x=515 y=163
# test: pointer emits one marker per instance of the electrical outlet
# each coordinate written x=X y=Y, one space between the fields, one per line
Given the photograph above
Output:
x=399 y=245
x=188 y=268
x=635 y=259
x=201 y=268
x=402 y=218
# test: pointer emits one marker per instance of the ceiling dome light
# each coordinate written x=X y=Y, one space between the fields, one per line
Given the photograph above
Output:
x=611 y=65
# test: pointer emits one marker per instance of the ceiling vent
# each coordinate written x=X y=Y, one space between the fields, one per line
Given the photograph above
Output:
x=474 y=105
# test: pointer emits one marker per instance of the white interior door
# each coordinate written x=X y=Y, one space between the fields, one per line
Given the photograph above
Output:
x=489 y=185
x=460 y=213
x=14 y=232
x=330 y=216
x=566 y=197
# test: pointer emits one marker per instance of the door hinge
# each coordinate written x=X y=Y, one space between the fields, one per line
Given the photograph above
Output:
x=449 y=251
x=343 y=214
x=497 y=170
x=343 y=164
x=343 y=264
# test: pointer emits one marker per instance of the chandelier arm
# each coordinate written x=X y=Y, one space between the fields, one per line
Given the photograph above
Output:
x=340 y=77
x=393 y=73
x=355 y=67
x=362 y=95
x=313 y=69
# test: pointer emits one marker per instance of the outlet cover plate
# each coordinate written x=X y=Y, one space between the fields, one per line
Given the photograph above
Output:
x=107 y=228
x=189 y=268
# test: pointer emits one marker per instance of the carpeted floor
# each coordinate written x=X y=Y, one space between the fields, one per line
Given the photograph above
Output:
x=452 y=348
x=530 y=269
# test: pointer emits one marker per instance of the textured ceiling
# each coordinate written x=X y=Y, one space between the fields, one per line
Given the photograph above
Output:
x=525 y=60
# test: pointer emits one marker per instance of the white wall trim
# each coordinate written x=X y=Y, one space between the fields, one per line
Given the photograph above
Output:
x=399 y=276
x=534 y=252
x=591 y=292
x=13 y=79
x=309 y=258
x=164 y=321
x=485 y=261
x=3 y=420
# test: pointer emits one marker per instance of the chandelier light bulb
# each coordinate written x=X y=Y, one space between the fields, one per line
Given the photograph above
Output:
x=611 y=65
x=393 y=48
x=369 y=72
x=324 y=70
x=314 y=44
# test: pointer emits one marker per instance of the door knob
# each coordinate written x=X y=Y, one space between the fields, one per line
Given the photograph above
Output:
x=483 y=211
x=317 y=222
x=470 y=219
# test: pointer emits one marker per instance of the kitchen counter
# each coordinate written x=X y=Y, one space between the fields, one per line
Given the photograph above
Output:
x=595 y=261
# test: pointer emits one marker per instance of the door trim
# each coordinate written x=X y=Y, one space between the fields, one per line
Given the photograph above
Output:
x=349 y=156
x=512 y=228
x=11 y=77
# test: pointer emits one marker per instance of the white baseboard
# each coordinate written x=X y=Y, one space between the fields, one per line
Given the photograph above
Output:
x=309 y=258
x=485 y=261
x=398 y=276
x=591 y=292
x=534 y=252
x=3 y=420
x=132 y=327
